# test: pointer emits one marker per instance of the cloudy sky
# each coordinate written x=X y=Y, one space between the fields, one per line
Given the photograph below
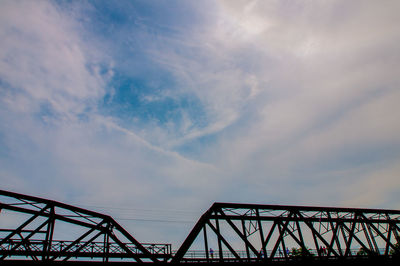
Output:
x=150 y=111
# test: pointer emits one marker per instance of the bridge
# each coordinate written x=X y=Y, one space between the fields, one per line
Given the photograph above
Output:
x=43 y=230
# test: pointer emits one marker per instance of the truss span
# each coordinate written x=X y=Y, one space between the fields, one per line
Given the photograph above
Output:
x=45 y=230
x=257 y=233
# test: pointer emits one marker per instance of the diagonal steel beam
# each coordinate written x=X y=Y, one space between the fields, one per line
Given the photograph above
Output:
x=192 y=236
x=133 y=255
x=387 y=240
x=137 y=244
x=357 y=239
x=26 y=238
x=271 y=231
x=334 y=239
x=76 y=252
x=18 y=230
x=223 y=240
x=27 y=247
x=280 y=238
x=301 y=243
x=310 y=225
x=350 y=238
x=91 y=230
x=300 y=232
x=44 y=214
x=239 y=233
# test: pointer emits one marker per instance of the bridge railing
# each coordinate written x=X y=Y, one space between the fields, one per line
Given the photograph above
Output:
x=92 y=249
x=201 y=254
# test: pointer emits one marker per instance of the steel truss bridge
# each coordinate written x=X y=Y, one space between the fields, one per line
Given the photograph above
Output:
x=43 y=230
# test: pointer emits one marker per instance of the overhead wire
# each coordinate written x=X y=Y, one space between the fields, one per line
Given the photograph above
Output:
x=169 y=211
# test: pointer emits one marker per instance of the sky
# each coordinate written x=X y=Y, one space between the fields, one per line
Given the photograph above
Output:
x=150 y=111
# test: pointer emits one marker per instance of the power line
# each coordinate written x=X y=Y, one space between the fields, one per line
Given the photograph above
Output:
x=146 y=210
x=154 y=220
x=135 y=209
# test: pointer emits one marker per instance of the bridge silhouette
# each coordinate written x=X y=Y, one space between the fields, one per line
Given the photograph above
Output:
x=30 y=228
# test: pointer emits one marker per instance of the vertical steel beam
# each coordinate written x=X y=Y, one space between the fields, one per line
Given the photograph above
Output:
x=106 y=242
x=206 y=242
x=245 y=235
x=219 y=237
x=388 y=240
x=260 y=229
x=49 y=234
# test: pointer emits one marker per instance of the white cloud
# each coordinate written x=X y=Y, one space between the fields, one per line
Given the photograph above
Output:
x=54 y=153
x=289 y=87
x=330 y=85
x=43 y=61
x=43 y=58
x=288 y=90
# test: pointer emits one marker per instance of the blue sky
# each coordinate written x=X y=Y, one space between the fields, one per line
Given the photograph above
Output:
x=156 y=109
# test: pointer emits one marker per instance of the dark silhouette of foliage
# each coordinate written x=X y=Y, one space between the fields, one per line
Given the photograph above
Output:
x=396 y=251
x=301 y=252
